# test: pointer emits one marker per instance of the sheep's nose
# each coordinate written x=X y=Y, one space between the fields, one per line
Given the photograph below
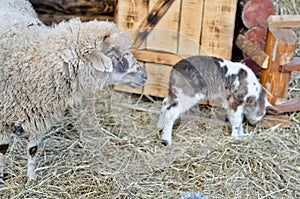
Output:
x=144 y=76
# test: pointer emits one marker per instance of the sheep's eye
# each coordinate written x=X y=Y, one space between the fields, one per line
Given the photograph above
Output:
x=105 y=37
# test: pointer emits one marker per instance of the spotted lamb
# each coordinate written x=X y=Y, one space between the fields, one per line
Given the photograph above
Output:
x=198 y=78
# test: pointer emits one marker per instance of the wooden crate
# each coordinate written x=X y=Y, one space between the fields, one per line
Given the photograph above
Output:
x=188 y=27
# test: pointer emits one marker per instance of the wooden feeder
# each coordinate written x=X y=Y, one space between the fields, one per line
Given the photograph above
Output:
x=165 y=31
x=277 y=60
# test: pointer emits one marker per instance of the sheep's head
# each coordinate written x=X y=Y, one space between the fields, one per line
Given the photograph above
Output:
x=106 y=47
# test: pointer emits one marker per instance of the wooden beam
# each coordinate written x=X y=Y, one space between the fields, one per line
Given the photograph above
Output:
x=147 y=25
x=280 y=46
x=49 y=19
x=284 y=21
x=74 y=7
x=156 y=57
x=257 y=55
x=274 y=120
x=293 y=65
x=291 y=105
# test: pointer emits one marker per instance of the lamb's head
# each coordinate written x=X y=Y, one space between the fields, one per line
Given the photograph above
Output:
x=106 y=47
x=255 y=109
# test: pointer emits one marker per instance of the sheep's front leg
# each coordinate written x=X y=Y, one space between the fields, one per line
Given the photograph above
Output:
x=34 y=141
x=236 y=121
x=4 y=143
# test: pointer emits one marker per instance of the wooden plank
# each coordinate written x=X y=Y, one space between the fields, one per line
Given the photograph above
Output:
x=130 y=14
x=291 y=105
x=156 y=57
x=293 y=65
x=74 y=7
x=158 y=79
x=218 y=28
x=164 y=36
x=280 y=46
x=149 y=20
x=274 y=120
x=49 y=19
x=190 y=27
x=284 y=21
x=257 y=55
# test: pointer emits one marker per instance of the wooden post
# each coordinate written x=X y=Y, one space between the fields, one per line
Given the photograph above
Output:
x=280 y=46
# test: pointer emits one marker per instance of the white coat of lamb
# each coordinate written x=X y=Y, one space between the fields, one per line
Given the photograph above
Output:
x=232 y=84
x=44 y=70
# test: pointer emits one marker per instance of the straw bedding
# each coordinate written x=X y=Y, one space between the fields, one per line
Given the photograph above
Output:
x=105 y=150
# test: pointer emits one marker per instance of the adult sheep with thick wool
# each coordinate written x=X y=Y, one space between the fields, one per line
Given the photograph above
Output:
x=43 y=70
x=17 y=14
x=232 y=84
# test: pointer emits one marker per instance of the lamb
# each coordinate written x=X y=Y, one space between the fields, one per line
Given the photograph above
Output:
x=44 y=70
x=232 y=84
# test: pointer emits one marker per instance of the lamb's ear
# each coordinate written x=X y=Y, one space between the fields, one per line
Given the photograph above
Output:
x=273 y=110
x=100 y=62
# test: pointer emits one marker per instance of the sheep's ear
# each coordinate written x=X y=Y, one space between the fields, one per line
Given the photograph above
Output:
x=100 y=62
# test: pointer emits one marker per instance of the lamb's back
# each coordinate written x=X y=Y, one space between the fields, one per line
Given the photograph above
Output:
x=199 y=74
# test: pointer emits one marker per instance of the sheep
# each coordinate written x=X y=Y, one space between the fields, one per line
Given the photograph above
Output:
x=198 y=78
x=17 y=14
x=44 y=70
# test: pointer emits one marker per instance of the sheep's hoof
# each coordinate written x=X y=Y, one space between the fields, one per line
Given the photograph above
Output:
x=1 y=180
x=165 y=142
x=160 y=130
x=18 y=130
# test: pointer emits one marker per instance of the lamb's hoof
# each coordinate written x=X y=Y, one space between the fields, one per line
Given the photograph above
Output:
x=165 y=142
x=160 y=130
x=238 y=136
x=30 y=178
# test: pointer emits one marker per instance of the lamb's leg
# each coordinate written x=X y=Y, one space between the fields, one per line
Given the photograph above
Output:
x=161 y=121
x=4 y=143
x=34 y=141
x=180 y=105
x=236 y=121
x=170 y=115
